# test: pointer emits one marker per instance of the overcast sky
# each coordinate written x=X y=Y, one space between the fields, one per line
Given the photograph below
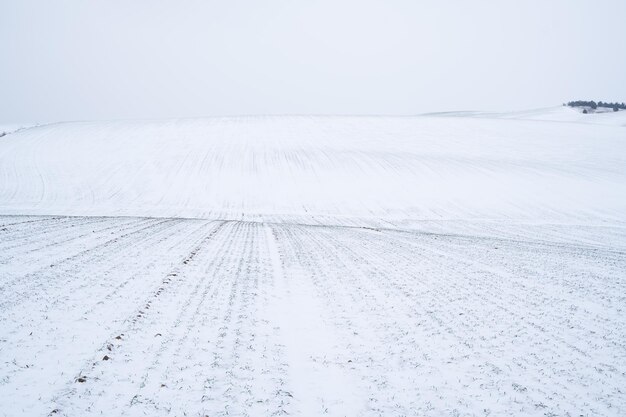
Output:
x=105 y=59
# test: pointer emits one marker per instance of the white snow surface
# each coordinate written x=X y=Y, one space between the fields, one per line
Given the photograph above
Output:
x=317 y=169
x=600 y=116
x=467 y=265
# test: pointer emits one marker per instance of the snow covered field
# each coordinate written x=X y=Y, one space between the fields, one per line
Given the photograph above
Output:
x=318 y=169
x=341 y=266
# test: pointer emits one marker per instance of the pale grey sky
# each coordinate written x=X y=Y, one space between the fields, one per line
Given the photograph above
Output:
x=104 y=59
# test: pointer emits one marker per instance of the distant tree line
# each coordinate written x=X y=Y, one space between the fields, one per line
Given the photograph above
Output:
x=594 y=105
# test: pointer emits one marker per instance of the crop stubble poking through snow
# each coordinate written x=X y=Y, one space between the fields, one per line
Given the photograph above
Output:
x=123 y=316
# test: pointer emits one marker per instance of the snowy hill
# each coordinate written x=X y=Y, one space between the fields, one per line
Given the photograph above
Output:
x=491 y=279
x=601 y=116
x=321 y=169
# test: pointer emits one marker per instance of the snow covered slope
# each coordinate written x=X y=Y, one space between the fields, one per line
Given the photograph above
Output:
x=603 y=116
x=355 y=170
x=464 y=266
